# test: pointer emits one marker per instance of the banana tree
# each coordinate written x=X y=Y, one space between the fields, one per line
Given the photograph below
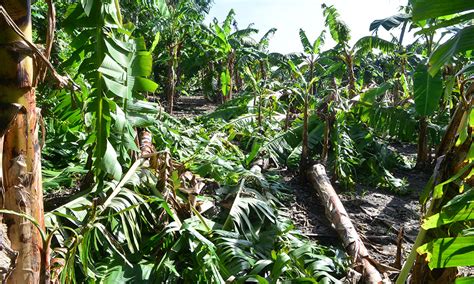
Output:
x=227 y=45
x=444 y=242
x=311 y=52
x=179 y=23
x=340 y=33
x=303 y=88
x=254 y=54
x=427 y=89
x=311 y=56
x=116 y=66
x=22 y=188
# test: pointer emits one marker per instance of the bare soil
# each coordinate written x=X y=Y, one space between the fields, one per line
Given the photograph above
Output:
x=193 y=106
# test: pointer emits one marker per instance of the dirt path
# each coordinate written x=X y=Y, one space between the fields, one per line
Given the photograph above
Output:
x=193 y=106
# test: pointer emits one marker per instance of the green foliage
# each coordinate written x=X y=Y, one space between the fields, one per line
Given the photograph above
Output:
x=116 y=66
x=459 y=208
x=448 y=252
x=424 y=9
x=340 y=32
x=427 y=91
x=136 y=223
x=389 y=23
x=461 y=42
x=366 y=44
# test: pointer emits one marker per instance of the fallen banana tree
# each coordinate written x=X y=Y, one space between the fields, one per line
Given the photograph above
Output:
x=339 y=218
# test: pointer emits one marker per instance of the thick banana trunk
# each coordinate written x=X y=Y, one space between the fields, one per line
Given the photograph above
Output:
x=338 y=216
x=21 y=150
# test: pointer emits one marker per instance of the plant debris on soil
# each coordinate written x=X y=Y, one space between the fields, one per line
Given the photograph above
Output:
x=376 y=214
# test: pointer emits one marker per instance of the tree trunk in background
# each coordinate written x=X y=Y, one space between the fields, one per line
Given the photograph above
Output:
x=311 y=75
x=350 y=69
x=171 y=88
x=327 y=131
x=422 y=156
x=220 y=96
x=263 y=71
x=21 y=150
x=304 y=162
x=329 y=118
x=230 y=67
x=237 y=78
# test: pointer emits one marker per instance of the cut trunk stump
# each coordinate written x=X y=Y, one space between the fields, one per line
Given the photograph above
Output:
x=339 y=218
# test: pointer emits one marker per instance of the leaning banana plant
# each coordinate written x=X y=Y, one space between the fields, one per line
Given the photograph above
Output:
x=447 y=226
x=116 y=67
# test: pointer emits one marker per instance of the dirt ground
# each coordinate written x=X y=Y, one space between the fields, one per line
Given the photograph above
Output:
x=192 y=106
x=376 y=214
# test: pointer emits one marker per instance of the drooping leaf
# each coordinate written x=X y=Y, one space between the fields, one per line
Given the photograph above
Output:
x=461 y=42
x=425 y=9
x=449 y=252
x=427 y=91
x=366 y=44
x=389 y=22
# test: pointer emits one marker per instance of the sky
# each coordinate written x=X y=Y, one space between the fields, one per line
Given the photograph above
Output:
x=288 y=16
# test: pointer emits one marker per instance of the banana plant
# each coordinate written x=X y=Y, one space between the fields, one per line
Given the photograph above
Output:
x=444 y=236
x=227 y=45
x=179 y=24
x=311 y=56
x=115 y=66
x=304 y=88
x=311 y=53
x=340 y=33
x=22 y=190
x=427 y=80
x=254 y=54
